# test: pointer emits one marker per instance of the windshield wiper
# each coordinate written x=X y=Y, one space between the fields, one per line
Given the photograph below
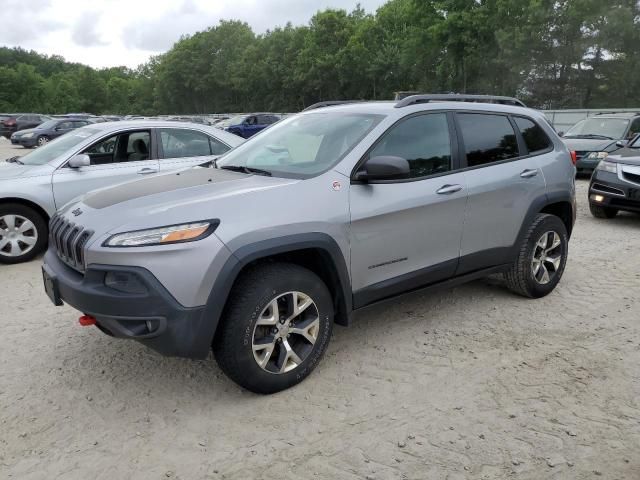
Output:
x=248 y=170
x=589 y=135
x=15 y=160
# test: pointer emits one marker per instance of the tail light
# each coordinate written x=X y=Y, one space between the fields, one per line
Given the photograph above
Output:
x=574 y=157
x=9 y=122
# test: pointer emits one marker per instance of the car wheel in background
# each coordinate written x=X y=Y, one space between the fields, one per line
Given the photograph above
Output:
x=275 y=328
x=23 y=233
x=43 y=140
x=541 y=258
x=599 y=211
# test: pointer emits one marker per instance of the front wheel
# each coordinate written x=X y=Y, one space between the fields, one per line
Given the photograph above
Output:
x=541 y=258
x=275 y=328
x=43 y=140
x=23 y=233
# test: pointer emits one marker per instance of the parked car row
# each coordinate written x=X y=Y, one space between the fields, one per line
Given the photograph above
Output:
x=13 y=122
x=43 y=133
x=34 y=186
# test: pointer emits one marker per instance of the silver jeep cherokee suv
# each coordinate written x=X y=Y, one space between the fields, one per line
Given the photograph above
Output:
x=326 y=212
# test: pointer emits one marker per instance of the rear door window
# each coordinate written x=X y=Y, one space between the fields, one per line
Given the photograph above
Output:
x=182 y=143
x=487 y=138
x=534 y=136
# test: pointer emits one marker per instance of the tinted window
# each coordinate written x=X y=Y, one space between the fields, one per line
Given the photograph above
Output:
x=179 y=143
x=534 y=137
x=487 y=138
x=65 y=125
x=423 y=141
x=635 y=128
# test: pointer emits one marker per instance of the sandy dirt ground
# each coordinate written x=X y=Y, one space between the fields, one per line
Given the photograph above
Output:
x=472 y=383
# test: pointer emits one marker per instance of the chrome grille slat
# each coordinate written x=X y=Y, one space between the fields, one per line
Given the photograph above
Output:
x=68 y=240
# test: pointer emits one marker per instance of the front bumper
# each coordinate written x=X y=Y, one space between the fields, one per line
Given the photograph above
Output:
x=26 y=142
x=153 y=318
x=614 y=192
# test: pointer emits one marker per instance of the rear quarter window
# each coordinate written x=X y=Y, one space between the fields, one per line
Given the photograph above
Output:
x=534 y=136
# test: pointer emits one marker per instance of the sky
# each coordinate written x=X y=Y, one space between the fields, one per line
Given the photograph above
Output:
x=106 y=33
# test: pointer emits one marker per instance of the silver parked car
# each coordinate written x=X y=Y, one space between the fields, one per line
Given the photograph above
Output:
x=324 y=213
x=34 y=186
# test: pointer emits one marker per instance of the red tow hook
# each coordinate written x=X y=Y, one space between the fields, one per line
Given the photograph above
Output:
x=87 y=320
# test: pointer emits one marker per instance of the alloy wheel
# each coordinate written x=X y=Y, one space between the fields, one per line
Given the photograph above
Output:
x=547 y=257
x=42 y=141
x=285 y=332
x=18 y=235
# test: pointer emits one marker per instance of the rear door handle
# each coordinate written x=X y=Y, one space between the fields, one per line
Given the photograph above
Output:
x=529 y=173
x=449 y=189
x=147 y=171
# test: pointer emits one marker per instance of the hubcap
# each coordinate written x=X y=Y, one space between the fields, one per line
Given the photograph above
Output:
x=285 y=333
x=547 y=257
x=18 y=235
x=42 y=141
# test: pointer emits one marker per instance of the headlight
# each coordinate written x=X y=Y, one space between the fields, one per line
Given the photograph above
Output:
x=27 y=135
x=597 y=155
x=607 y=166
x=187 y=232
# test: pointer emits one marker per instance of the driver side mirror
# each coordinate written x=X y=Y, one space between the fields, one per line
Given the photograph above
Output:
x=383 y=168
x=561 y=134
x=622 y=143
x=81 y=160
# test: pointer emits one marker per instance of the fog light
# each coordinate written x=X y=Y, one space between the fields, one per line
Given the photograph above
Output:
x=125 y=282
x=598 y=198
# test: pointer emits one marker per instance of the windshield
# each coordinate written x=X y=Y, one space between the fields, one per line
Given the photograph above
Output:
x=57 y=147
x=302 y=146
x=48 y=124
x=612 y=128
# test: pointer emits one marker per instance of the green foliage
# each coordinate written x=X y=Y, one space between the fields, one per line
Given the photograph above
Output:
x=550 y=53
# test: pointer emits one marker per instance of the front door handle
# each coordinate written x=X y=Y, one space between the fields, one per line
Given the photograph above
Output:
x=449 y=189
x=528 y=173
x=147 y=171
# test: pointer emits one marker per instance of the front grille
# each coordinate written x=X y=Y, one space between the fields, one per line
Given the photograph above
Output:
x=631 y=177
x=68 y=240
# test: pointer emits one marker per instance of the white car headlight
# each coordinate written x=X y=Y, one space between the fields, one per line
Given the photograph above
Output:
x=597 y=155
x=27 y=135
x=607 y=166
x=187 y=232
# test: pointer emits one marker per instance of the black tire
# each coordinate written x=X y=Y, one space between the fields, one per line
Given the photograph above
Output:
x=251 y=294
x=42 y=140
x=520 y=278
x=599 y=211
x=41 y=229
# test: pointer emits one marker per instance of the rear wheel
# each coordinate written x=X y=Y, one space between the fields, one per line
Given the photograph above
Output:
x=43 y=140
x=599 y=211
x=23 y=233
x=275 y=328
x=541 y=259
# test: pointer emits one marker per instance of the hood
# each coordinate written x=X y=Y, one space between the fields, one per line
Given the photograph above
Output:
x=22 y=132
x=586 y=144
x=629 y=156
x=15 y=170
x=177 y=197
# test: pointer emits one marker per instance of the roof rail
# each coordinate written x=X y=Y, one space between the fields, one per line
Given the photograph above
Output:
x=329 y=103
x=457 y=97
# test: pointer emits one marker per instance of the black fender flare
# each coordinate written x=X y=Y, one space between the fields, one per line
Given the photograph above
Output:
x=249 y=253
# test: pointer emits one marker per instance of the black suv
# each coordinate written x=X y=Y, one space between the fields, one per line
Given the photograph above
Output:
x=615 y=183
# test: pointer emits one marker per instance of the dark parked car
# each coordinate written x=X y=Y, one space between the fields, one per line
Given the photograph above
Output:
x=597 y=135
x=15 y=122
x=49 y=130
x=248 y=125
x=615 y=183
